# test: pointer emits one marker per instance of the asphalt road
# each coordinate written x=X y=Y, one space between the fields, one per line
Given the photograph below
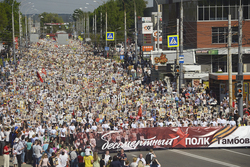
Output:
x=193 y=157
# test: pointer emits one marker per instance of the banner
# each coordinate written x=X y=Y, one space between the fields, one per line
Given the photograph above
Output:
x=166 y=137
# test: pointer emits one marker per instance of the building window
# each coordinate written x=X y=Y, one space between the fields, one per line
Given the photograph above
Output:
x=219 y=9
x=220 y=34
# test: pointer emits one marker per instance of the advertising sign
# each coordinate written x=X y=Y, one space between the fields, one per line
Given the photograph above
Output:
x=147 y=28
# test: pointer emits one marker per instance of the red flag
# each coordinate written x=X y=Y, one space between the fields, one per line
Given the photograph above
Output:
x=140 y=112
x=113 y=80
x=44 y=71
x=38 y=76
x=56 y=46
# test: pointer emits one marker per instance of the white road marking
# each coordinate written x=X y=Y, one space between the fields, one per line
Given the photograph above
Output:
x=204 y=158
x=236 y=152
x=134 y=155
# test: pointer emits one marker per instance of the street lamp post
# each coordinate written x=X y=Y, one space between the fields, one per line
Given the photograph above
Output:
x=13 y=34
x=125 y=29
x=136 y=56
x=115 y=34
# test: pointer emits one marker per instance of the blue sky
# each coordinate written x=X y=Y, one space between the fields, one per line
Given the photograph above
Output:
x=60 y=6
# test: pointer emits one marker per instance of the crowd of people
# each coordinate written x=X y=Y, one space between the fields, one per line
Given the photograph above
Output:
x=55 y=92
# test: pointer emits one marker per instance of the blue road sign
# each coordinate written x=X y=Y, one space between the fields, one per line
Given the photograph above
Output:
x=107 y=48
x=173 y=41
x=110 y=36
x=181 y=59
x=121 y=57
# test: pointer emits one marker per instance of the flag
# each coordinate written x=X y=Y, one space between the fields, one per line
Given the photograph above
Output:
x=38 y=76
x=113 y=80
x=44 y=71
x=140 y=112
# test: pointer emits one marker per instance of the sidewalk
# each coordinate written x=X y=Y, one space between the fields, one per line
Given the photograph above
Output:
x=11 y=164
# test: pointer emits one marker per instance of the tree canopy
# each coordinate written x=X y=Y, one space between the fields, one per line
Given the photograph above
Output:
x=6 y=20
x=115 y=15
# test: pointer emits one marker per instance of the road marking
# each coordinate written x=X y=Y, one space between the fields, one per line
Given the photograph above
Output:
x=204 y=158
x=133 y=155
x=236 y=152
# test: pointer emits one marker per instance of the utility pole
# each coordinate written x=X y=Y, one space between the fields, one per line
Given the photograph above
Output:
x=13 y=34
x=125 y=29
x=240 y=64
x=106 y=24
x=26 y=29
x=84 y=27
x=88 y=23
x=95 y=24
x=101 y=23
x=230 y=62
x=20 y=31
x=136 y=56
x=158 y=31
x=181 y=47
x=177 y=58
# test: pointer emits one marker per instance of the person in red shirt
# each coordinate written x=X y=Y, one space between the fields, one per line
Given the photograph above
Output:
x=6 y=156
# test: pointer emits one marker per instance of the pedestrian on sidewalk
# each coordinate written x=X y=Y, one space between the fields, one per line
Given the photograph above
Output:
x=6 y=156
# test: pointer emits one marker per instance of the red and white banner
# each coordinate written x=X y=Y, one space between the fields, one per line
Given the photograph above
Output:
x=234 y=137
x=165 y=137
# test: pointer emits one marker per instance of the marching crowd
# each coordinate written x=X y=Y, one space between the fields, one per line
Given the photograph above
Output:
x=55 y=92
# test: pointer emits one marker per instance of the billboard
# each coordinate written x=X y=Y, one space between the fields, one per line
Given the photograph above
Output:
x=34 y=37
x=166 y=137
x=63 y=39
x=147 y=28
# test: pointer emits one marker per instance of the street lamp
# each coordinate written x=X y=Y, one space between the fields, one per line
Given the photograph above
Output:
x=101 y=18
x=13 y=33
x=125 y=29
x=87 y=22
x=136 y=56
x=115 y=35
x=94 y=20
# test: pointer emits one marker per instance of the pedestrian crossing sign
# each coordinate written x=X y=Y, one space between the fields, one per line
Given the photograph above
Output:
x=173 y=41
x=110 y=36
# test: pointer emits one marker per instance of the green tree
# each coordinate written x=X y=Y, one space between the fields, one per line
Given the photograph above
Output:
x=3 y=17
x=51 y=18
x=115 y=15
x=6 y=20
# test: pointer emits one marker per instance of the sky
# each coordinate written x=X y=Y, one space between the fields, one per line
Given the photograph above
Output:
x=61 y=6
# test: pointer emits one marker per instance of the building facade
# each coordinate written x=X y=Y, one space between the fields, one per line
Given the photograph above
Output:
x=205 y=29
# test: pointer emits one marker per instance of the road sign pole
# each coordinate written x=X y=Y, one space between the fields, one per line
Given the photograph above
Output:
x=181 y=47
x=177 y=59
x=240 y=72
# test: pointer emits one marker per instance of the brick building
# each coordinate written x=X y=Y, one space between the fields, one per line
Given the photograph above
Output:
x=205 y=29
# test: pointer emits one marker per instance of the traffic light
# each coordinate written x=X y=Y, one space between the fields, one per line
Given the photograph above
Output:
x=172 y=67
x=177 y=68
x=239 y=89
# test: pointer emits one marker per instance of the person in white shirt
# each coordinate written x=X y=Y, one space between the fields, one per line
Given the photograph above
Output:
x=63 y=158
x=140 y=158
x=232 y=122
x=106 y=159
x=2 y=141
x=71 y=132
x=63 y=132
x=223 y=121
x=160 y=124
x=133 y=125
x=7 y=134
